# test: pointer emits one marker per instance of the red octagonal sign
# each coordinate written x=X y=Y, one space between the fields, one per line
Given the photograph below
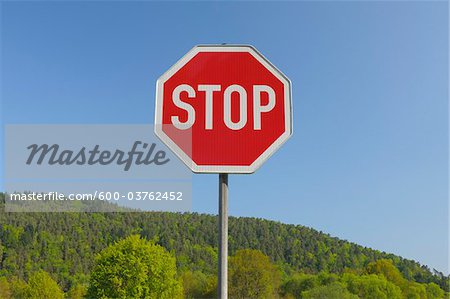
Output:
x=223 y=109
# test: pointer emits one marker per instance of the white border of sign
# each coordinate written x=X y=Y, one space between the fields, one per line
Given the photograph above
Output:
x=223 y=168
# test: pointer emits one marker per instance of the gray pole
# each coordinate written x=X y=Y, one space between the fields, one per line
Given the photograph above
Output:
x=223 y=236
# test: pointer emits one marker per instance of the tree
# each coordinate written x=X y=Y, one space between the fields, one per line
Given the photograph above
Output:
x=252 y=275
x=59 y=244
x=414 y=290
x=41 y=285
x=298 y=283
x=5 y=289
x=388 y=270
x=434 y=291
x=371 y=286
x=410 y=289
x=199 y=285
x=333 y=290
x=134 y=268
x=77 y=292
x=19 y=288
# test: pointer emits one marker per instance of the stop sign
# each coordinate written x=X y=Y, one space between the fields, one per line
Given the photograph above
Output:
x=223 y=109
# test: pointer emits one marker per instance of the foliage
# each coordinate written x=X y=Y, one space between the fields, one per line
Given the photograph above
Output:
x=388 y=270
x=5 y=288
x=252 y=275
x=410 y=289
x=372 y=286
x=41 y=285
x=334 y=290
x=65 y=245
x=298 y=283
x=19 y=288
x=414 y=290
x=134 y=268
x=434 y=291
x=379 y=280
x=77 y=292
x=199 y=285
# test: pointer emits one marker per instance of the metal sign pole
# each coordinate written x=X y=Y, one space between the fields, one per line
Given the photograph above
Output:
x=223 y=236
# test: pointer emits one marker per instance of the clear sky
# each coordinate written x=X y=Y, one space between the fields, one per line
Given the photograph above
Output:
x=368 y=161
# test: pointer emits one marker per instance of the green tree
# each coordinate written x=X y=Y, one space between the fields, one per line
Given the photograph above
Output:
x=77 y=292
x=333 y=290
x=134 y=268
x=434 y=291
x=371 y=286
x=388 y=270
x=414 y=290
x=327 y=278
x=5 y=288
x=19 y=288
x=252 y=275
x=199 y=285
x=294 y=286
x=41 y=285
x=58 y=243
x=410 y=289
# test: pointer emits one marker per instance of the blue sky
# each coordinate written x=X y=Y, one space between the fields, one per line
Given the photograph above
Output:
x=368 y=161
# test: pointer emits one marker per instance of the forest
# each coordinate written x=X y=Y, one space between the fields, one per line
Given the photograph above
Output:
x=74 y=255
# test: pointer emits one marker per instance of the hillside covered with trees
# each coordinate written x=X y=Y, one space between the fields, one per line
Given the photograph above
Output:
x=63 y=249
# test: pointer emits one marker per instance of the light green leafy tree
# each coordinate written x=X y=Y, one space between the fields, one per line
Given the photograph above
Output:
x=252 y=275
x=434 y=291
x=19 y=288
x=410 y=289
x=299 y=283
x=388 y=270
x=134 y=268
x=41 y=285
x=199 y=285
x=5 y=288
x=414 y=290
x=77 y=292
x=333 y=290
x=371 y=286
